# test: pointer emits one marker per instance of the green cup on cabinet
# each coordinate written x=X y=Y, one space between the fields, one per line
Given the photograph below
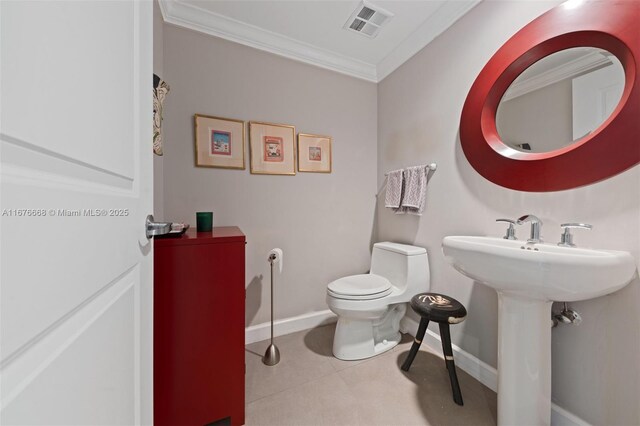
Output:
x=204 y=221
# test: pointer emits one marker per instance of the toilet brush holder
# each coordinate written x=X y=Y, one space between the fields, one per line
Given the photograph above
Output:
x=272 y=355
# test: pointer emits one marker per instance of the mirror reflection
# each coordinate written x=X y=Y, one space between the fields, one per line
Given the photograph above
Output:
x=560 y=99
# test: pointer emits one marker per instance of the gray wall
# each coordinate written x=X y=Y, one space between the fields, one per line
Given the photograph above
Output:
x=323 y=222
x=596 y=372
x=542 y=118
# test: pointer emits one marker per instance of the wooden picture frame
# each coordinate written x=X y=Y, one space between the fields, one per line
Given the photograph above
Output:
x=314 y=153
x=219 y=142
x=272 y=148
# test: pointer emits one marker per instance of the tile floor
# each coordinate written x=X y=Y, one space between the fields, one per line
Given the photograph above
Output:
x=311 y=387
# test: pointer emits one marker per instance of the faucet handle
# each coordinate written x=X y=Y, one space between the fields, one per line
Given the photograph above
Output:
x=511 y=230
x=566 y=238
x=576 y=225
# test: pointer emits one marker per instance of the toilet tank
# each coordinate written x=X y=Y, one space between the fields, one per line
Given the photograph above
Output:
x=405 y=266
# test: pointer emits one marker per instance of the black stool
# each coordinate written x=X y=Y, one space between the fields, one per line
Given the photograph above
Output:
x=444 y=310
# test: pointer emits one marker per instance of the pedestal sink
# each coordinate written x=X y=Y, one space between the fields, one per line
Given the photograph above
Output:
x=528 y=278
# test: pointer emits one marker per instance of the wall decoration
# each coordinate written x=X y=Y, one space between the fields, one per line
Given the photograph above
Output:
x=160 y=90
x=602 y=153
x=219 y=142
x=272 y=148
x=314 y=153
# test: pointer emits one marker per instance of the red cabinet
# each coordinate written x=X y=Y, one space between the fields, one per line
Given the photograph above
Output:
x=199 y=300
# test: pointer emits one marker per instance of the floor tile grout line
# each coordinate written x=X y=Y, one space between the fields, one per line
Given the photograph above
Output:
x=292 y=387
x=335 y=371
x=296 y=385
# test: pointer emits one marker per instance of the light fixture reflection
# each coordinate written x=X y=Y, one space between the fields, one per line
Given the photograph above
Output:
x=572 y=4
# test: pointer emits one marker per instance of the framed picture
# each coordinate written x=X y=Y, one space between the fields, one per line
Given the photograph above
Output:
x=314 y=153
x=272 y=148
x=219 y=142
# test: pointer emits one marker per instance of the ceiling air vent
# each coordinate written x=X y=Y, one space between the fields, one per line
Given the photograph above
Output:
x=368 y=19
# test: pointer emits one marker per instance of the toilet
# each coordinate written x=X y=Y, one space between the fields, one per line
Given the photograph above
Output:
x=370 y=306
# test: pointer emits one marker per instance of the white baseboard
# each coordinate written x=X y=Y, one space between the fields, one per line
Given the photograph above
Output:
x=561 y=417
x=483 y=372
x=258 y=332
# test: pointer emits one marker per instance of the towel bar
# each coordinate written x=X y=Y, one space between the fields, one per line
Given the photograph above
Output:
x=432 y=166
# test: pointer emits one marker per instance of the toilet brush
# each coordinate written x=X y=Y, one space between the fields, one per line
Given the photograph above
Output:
x=272 y=354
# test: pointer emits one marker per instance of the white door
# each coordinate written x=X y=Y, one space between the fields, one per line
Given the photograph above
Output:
x=595 y=96
x=75 y=158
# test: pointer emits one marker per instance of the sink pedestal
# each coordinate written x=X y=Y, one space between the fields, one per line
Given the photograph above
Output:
x=524 y=361
x=526 y=280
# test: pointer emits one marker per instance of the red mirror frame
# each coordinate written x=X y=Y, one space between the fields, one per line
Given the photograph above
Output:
x=611 y=149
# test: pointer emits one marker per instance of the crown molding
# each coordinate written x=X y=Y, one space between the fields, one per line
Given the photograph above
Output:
x=445 y=16
x=570 y=69
x=205 y=21
x=195 y=18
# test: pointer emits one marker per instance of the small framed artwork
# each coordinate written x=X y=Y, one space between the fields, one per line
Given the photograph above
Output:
x=219 y=142
x=272 y=148
x=314 y=153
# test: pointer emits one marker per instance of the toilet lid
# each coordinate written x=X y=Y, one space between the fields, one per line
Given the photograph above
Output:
x=368 y=286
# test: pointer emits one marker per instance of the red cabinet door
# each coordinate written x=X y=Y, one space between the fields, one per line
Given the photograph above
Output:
x=199 y=328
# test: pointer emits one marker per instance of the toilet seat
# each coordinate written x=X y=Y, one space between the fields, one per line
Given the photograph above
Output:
x=360 y=287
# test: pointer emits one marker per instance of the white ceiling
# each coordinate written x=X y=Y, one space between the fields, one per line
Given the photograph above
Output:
x=312 y=31
x=568 y=63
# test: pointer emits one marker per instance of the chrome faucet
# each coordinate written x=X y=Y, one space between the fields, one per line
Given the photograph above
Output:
x=536 y=225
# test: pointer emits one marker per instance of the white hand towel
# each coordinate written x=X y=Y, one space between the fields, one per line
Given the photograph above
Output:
x=414 y=191
x=393 y=197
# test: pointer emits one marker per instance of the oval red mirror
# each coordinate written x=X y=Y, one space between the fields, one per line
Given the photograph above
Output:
x=605 y=32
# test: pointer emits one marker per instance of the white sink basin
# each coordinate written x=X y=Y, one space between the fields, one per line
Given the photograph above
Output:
x=528 y=278
x=540 y=271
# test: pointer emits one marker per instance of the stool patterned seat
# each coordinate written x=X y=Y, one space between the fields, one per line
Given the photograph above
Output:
x=444 y=310
x=439 y=308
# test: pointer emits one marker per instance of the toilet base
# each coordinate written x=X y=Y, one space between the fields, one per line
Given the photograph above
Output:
x=364 y=338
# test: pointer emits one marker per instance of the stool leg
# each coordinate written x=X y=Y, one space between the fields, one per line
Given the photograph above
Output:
x=448 y=358
x=422 y=328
